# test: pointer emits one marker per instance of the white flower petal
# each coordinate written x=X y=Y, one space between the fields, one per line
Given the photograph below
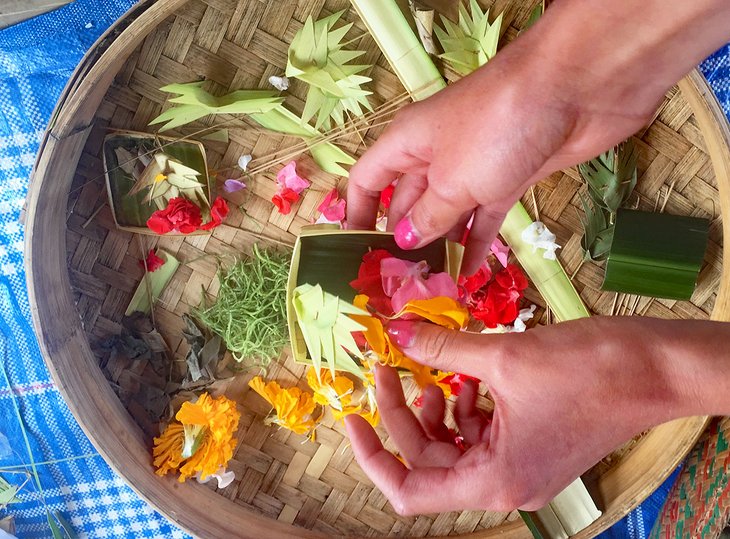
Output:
x=519 y=326
x=280 y=83
x=539 y=237
x=243 y=161
x=223 y=477
x=527 y=314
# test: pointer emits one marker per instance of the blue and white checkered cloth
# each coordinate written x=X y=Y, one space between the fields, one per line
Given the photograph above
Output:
x=36 y=59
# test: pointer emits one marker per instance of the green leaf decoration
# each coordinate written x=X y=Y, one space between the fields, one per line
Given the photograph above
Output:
x=328 y=157
x=326 y=328
x=193 y=103
x=598 y=231
x=317 y=57
x=611 y=177
x=153 y=283
x=471 y=43
x=168 y=178
x=8 y=493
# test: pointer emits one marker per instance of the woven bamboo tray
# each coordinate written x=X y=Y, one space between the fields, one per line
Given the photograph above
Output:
x=82 y=271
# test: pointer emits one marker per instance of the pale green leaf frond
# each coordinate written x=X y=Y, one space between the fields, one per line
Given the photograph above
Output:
x=471 y=43
x=316 y=56
x=193 y=102
x=326 y=328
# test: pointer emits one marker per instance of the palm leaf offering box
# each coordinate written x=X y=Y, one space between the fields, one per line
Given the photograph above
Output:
x=331 y=259
x=213 y=73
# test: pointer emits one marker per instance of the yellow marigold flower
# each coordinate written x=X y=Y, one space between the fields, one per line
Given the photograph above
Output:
x=201 y=440
x=336 y=392
x=294 y=408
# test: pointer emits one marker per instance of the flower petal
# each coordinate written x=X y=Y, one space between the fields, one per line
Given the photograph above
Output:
x=232 y=185
x=244 y=160
x=500 y=251
x=288 y=178
x=280 y=83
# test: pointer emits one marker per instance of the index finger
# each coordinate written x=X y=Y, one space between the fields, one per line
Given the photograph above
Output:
x=380 y=166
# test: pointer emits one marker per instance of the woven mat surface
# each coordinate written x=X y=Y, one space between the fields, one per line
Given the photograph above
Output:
x=36 y=59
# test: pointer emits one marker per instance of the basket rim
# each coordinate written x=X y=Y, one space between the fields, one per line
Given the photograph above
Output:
x=112 y=431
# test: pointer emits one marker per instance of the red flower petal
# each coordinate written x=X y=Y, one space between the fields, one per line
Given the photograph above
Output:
x=369 y=281
x=152 y=262
x=180 y=215
x=386 y=196
x=284 y=199
x=218 y=212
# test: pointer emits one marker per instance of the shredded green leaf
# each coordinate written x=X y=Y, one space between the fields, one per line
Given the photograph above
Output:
x=250 y=311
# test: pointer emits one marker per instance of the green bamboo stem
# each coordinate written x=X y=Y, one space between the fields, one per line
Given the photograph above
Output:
x=389 y=28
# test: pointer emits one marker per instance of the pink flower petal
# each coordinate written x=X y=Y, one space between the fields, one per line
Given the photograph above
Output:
x=501 y=251
x=232 y=185
x=395 y=272
x=288 y=178
x=333 y=207
x=437 y=285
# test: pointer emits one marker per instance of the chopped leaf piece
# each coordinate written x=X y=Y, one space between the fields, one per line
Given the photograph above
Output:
x=154 y=284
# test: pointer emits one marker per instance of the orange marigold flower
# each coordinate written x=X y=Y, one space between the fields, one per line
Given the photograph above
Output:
x=201 y=440
x=294 y=408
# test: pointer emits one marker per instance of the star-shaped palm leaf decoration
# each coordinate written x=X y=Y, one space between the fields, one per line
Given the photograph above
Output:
x=168 y=178
x=193 y=103
x=612 y=176
x=327 y=330
x=317 y=57
x=471 y=43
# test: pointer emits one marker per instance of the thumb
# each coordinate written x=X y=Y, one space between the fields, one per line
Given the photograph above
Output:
x=446 y=349
x=431 y=217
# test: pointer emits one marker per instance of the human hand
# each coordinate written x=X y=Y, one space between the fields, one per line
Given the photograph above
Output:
x=565 y=91
x=564 y=397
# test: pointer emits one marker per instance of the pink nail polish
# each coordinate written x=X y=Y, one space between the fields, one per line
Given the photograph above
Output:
x=405 y=235
x=401 y=332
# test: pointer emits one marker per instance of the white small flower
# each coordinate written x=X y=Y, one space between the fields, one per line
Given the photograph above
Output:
x=243 y=161
x=525 y=315
x=519 y=324
x=540 y=237
x=280 y=83
x=223 y=477
x=322 y=220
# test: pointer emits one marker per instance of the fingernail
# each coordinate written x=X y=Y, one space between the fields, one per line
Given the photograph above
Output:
x=401 y=332
x=405 y=235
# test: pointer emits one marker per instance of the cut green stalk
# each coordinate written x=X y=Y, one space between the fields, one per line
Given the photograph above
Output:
x=420 y=77
x=152 y=285
x=548 y=276
x=328 y=157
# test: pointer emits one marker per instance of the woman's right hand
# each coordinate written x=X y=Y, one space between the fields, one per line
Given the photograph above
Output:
x=571 y=87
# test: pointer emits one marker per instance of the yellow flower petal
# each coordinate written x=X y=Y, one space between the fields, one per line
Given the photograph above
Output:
x=443 y=311
x=294 y=408
x=336 y=393
x=212 y=423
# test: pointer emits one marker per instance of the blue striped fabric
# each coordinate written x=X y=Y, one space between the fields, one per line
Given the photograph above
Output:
x=36 y=59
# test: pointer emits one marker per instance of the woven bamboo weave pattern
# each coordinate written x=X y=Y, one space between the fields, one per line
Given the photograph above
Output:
x=236 y=45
